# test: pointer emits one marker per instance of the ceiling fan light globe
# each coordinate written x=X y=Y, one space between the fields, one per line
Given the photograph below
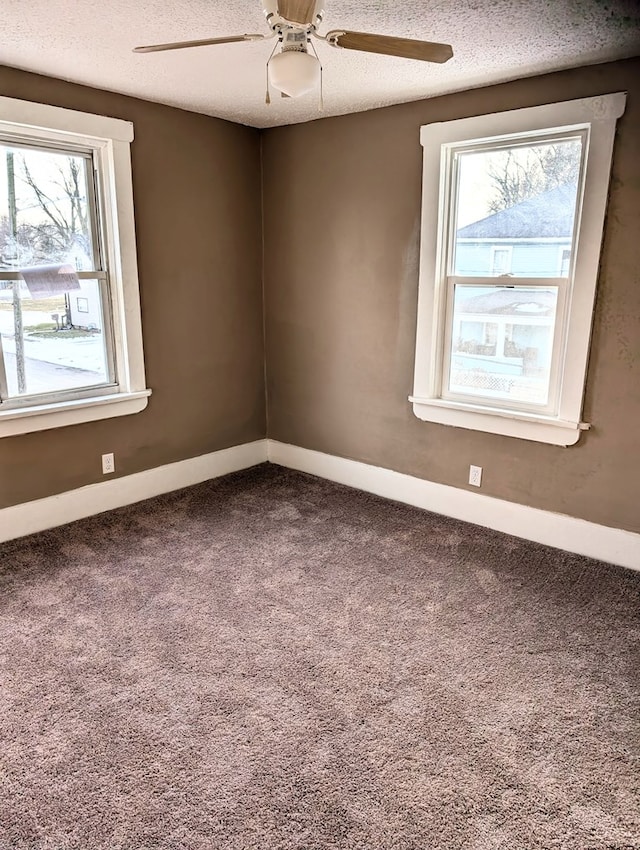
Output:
x=294 y=73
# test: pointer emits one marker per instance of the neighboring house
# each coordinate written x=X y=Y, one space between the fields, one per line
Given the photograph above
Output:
x=84 y=307
x=529 y=238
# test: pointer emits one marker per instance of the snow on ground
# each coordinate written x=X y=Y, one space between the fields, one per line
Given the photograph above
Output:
x=85 y=353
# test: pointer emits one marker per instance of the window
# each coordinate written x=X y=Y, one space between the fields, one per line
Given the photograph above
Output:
x=70 y=335
x=501 y=259
x=512 y=219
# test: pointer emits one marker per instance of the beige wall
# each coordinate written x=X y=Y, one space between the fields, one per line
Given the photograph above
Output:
x=198 y=222
x=341 y=278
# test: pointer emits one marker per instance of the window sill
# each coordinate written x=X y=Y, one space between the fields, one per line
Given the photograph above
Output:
x=525 y=426
x=41 y=417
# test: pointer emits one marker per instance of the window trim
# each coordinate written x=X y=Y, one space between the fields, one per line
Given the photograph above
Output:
x=596 y=114
x=110 y=139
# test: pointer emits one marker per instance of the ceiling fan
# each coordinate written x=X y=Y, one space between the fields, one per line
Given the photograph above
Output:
x=293 y=70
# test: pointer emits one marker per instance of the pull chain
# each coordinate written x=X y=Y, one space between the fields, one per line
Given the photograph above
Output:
x=267 y=99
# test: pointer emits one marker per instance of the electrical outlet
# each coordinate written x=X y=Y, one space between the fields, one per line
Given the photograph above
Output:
x=108 y=463
x=475 y=475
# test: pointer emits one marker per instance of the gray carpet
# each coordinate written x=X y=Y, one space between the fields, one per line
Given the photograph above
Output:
x=271 y=661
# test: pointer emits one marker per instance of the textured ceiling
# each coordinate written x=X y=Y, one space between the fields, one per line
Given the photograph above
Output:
x=493 y=41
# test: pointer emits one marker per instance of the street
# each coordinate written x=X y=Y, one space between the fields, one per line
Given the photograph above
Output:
x=45 y=377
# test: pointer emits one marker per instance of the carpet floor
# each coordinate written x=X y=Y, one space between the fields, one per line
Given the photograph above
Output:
x=270 y=661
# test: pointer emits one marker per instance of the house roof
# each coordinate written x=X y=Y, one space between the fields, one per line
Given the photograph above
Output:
x=550 y=213
x=512 y=302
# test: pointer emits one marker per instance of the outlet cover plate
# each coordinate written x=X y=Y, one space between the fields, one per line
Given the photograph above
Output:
x=475 y=475
x=108 y=463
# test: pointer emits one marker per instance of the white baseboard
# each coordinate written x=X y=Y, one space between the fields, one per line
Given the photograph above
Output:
x=29 y=517
x=564 y=532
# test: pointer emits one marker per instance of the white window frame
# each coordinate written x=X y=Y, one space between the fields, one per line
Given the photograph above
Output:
x=595 y=116
x=110 y=141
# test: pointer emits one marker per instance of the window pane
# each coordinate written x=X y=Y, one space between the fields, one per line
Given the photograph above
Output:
x=515 y=209
x=44 y=214
x=502 y=342
x=63 y=341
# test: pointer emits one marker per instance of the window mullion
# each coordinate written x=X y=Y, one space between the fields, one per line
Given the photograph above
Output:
x=509 y=282
x=91 y=274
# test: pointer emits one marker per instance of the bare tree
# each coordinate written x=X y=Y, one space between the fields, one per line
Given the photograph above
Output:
x=5 y=240
x=521 y=173
x=65 y=220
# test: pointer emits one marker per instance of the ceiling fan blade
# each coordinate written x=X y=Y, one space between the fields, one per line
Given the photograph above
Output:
x=409 y=48
x=178 y=45
x=297 y=11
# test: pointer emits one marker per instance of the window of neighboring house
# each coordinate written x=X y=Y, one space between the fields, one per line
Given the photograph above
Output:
x=509 y=355
x=70 y=334
x=501 y=259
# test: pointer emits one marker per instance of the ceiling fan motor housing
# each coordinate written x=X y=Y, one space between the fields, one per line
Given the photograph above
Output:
x=294 y=40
